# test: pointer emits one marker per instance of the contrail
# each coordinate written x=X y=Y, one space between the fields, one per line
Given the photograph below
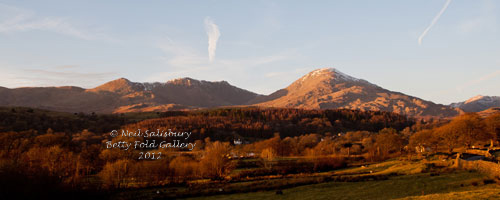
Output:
x=213 y=35
x=436 y=18
x=479 y=80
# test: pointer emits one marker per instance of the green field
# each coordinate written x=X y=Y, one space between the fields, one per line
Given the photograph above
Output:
x=487 y=192
x=393 y=188
x=392 y=179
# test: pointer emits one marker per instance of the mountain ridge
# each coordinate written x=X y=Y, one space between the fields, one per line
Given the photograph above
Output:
x=123 y=95
x=324 y=88
x=478 y=103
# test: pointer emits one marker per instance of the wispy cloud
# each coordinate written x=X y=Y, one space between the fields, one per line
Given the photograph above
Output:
x=485 y=21
x=478 y=80
x=182 y=60
x=472 y=25
x=13 y=77
x=213 y=36
x=433 y=22
x=179 y=55
x=20 y=20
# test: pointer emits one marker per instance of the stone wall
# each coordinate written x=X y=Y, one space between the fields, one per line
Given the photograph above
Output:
x=479 y=152
x=490 y=168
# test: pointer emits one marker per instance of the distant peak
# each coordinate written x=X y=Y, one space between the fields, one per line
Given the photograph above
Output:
x=184 y=78
x=118 y=85
x=184 y=81
x=332 y=69
x=478 y=97
x=329 y=69
x=223 y=82
x=119 y=80
x=481 y=98
x=329 y=72
x=190 y=82
x=122 y=79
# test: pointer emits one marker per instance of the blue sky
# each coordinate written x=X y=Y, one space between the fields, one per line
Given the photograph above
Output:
x=261 y=46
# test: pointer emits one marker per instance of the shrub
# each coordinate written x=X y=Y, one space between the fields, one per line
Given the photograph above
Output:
x=215 y=163
x=183 y=167
x=113 y=175
x=328 y=163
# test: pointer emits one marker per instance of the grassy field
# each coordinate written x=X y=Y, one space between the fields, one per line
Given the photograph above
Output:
x=393 y=188
x=486 y=192
x=392 y=179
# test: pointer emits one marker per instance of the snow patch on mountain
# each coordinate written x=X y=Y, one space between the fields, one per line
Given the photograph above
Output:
x=478 y=97
x=328 y=71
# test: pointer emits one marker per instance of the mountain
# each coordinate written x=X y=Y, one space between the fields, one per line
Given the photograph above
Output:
x=478 y=103
x=319 y=89
x=330 y=88
x=122 y=95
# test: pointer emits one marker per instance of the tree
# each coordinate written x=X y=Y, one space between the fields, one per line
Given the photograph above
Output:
x=493 y=126
x=468 y=129
x=348 y=146
x=308 y=141
x=274 y=143
x=215 y=163
x=369 y=144
x=183 y=167
x=325 y=147
x=113 y=175
x=448 y=137
x=268 y=154
x=388 y=141
x=425 y=138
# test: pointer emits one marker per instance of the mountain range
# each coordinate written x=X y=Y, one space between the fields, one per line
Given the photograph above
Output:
x=320 y=89
x=478 y=103
x=122 y=95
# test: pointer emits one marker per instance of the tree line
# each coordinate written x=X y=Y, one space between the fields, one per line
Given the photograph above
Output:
x=70 y=154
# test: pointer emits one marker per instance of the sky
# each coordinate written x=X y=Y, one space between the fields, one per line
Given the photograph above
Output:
x=439 y=50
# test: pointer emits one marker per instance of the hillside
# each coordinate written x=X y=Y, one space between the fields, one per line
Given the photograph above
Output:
x=330 y=88
x=478 y=103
